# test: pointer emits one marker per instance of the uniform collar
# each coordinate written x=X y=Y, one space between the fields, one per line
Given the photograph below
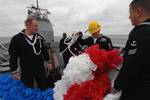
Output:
x=147 y=20
x=23 y=33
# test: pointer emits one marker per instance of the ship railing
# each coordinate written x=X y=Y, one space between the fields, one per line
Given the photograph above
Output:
x=2 y=47
x=121 y=48
x=2 y=57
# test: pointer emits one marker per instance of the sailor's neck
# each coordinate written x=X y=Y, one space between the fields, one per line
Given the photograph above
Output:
x=97 y=36
x=27 y=32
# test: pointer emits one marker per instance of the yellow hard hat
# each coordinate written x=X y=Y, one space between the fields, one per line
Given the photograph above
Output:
x=94 y=26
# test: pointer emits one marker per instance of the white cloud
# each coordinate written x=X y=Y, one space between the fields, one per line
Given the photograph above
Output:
x=68 y=15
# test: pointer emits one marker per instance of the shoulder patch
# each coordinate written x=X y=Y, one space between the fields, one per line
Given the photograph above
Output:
x=133 y=43
x=132 y=51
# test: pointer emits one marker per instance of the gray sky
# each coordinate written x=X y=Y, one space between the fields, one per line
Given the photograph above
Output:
x=68 y=15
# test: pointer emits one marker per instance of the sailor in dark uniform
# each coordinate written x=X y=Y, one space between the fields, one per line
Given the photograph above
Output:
x=97 y=38
x=62 y=47
x=77 y=46
x=74 y=46
x=30 y=48
x=134 y=77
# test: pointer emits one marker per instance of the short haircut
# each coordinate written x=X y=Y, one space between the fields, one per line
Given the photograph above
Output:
x=145 y=4
x=80 y=32
x=29 y=20
x=64 y=34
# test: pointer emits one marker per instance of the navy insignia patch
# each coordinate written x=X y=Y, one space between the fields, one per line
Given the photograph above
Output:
x=132 y=51
x=133 y=43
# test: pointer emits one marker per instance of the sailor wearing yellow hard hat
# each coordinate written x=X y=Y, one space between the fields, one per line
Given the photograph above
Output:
x=94 y=29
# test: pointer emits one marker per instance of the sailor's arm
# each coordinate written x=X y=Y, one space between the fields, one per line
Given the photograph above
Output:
x=14 y=54
x=47 y=57
x=128 y=73
x=45 y=52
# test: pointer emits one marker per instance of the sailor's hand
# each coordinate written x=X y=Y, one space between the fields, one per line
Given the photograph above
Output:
x=16 y=76
x=49 y=66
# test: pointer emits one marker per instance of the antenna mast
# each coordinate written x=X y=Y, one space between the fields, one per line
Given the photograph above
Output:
x=37 y=3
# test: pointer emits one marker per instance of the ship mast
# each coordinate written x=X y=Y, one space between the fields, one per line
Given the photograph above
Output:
x=37 y=4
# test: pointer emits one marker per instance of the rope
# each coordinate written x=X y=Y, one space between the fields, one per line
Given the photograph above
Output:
x=70 y=43
x=32 y=44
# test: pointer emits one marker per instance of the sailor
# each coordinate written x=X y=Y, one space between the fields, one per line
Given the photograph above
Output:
x=62 y=47
x=29 y=48
x=74 y=46
x=77 y=47
x=134 y=77
x=96 y=38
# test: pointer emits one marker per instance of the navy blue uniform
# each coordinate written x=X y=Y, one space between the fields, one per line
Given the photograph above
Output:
x=103 y=41
x=32 y=65
x=75 y=49
x=134 y=76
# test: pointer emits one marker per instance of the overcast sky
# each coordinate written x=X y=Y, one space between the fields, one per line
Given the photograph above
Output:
x=68 y=15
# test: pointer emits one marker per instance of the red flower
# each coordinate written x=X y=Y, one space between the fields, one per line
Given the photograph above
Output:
x=94 y=89
x=97 y=88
